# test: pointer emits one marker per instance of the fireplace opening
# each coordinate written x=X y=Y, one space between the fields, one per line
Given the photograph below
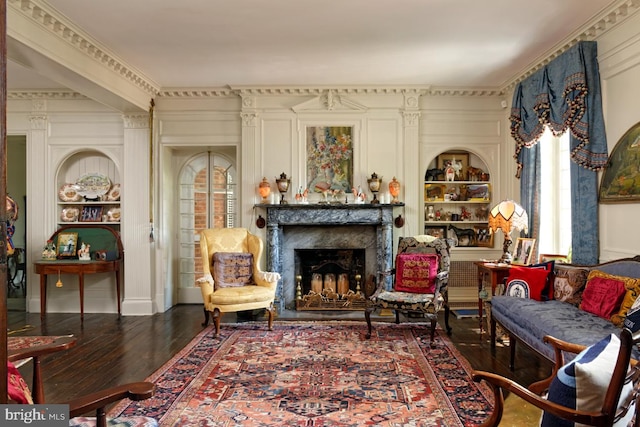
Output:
x=329 y=279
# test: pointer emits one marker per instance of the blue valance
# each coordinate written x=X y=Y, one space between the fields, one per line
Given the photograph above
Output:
x=565 y=94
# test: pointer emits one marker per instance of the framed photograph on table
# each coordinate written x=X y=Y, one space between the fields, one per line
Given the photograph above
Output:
x=67 y=245
x=459 y=162
x=524 y=251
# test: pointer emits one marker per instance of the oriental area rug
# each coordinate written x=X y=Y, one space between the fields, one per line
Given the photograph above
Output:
x=315 y=374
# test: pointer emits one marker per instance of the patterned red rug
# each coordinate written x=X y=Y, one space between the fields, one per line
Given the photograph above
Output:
x=315 y=374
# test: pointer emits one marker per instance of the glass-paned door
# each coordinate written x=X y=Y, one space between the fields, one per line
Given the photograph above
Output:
x=208 y=199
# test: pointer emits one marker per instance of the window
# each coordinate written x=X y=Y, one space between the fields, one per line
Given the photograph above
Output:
x=208 y=199
x=555 y=197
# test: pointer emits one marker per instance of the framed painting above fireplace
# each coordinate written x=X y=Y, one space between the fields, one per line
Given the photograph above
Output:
x=329 y=158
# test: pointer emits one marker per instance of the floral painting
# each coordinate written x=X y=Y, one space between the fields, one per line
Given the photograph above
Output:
x=329 y=158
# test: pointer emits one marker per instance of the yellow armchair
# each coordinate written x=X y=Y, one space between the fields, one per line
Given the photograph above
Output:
x=238 y=297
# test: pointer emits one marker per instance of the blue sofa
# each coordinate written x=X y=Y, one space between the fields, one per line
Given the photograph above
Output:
x=528 y=321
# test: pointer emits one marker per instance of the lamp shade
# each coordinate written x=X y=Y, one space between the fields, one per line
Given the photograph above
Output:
x=508 y=216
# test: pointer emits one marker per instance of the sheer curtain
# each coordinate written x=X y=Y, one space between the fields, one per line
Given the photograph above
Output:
x=565 y=95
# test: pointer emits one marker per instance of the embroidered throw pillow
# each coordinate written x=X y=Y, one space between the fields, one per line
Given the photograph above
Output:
x=602 y=296
x=524 y=282
x=232 y=269
x=582 y=383
x=18 y=389
x=632 y=291
x=416 y=273
x=569 y=283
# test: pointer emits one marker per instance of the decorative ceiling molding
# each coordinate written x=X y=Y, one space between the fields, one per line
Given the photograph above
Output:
x=330 y=100
x=44 y=94
x=336 y=91
x=590 y=31
x=196 y=93
x=50 y=21
x=461 y=91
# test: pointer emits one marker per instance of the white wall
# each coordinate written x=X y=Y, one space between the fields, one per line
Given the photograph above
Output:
x=619 y=59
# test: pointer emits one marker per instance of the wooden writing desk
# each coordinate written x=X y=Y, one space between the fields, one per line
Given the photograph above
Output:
x=44 y=268
x=492 y=274
x=99 y=237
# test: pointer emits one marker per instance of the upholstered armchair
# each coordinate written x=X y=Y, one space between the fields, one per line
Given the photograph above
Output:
x=232 y=278
x=599 y=387
x=421 y=278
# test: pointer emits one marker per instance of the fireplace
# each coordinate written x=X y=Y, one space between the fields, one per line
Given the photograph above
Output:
x=330 y=279
x=291 y=228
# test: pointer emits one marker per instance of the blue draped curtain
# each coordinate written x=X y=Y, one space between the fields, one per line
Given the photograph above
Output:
x=565 y=95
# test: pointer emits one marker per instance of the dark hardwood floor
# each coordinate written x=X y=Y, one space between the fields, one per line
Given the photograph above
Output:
x=112 y=350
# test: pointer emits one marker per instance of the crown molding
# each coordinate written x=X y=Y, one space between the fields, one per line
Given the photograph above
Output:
x=51 y=21
x=45 y=94
x=610 y=17
x=318 y=91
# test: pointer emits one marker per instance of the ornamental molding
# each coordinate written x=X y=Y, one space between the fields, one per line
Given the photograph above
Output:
x=136 y=121
x=411 y=118
x=196 y=93
x=55 y=24
x=44 y=95
x=38 y=121
x=330 y=100
x=615 y=15
x=249 y=119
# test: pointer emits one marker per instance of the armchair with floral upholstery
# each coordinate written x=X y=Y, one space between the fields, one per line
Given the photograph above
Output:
x=421 y=278
x=233 y=280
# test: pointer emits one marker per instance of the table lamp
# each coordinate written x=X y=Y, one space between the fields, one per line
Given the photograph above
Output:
x=508 y=216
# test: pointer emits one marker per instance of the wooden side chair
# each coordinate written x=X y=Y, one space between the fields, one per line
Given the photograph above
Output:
x=421 y=278
x=95 y=403
x=600 y=387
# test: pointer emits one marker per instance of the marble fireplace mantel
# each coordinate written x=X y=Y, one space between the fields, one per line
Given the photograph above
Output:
x=298 y=226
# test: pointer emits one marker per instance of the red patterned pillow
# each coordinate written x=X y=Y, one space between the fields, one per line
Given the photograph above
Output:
x=17 y=388
x=232 y=269
x=416 y=273
x=602 y=296
x=524 y=282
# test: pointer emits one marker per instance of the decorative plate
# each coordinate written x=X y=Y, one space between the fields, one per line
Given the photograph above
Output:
x=114 y=215
x=114 y=194
x=69 y=193
x=93 y=185
x=70 y=214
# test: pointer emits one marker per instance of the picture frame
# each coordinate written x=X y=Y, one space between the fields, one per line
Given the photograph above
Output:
x=460 y=159
x=91 y=214
x=523 y=252
x=66 y=245
x=620 y=181
x=553 y=257
x=436 y=231
x=434 y=192
x=484 y=236
x=329 y=158
x=478 y=192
